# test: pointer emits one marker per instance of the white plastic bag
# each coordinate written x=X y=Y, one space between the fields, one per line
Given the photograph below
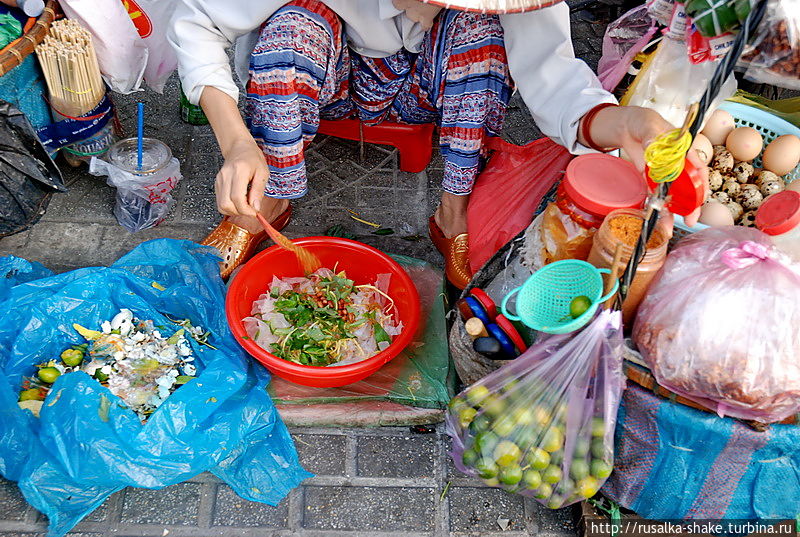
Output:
x=130 y=39
x=143 y=201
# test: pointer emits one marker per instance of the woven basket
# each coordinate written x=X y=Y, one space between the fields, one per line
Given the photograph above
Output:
x=34 y=32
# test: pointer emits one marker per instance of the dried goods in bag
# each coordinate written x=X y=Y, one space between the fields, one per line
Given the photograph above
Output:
x=543 y=425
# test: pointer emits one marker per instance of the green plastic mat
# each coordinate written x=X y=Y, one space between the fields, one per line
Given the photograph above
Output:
x=422 y=376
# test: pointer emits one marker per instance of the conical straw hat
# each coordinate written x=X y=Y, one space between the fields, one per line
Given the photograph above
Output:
x=494 y=6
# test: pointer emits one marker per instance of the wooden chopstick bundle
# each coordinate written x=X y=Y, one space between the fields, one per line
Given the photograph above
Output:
x=70 y=67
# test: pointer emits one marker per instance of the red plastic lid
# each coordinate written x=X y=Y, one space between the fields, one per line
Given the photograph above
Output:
x=780 y=213
x=600 y=183
x=512 y=333
x=688 y=191
x=486 y=301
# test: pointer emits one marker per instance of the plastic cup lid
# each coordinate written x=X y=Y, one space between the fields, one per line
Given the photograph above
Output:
x=599 y=184
x=780 y=213
x=688 y=191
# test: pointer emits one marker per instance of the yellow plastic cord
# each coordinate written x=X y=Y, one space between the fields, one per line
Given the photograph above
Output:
x=666 y=155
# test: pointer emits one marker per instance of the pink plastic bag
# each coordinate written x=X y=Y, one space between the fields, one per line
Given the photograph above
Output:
x=624 y=39
x=508 y=191
x=543 y=425
x=721 y=325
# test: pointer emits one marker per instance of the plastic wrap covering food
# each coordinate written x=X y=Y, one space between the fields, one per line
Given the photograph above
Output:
x=543 y=425
x=776 y=58
x=720 y=325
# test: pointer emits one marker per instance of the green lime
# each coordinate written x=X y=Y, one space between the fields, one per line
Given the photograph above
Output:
x=72 y=357
x=477 y=394
x=543 y=492
x=100 y=376
x=456 y=405
x=526 y=437
x=579 y=469
x=485 y=442
x=552 y=474
x=601 y=469
x=598 y=448
x=579 y=306
x=555 y=502
x=510 y=475
x=466 y=416
x=504 y=426
x=565 y=487
x=506 y=453
x=538 y=458
x=588 y=486
x=582 y=446
x=493 y=406
x=480 y=424
x=523 y=417
x=469 y=458
x=486 y=468
x=510 y=385
x=553 y=440
x=48 y=374
x=532 y=479
x=34 y=394
x=598 y=427
x=557 y=457
x=492 y=482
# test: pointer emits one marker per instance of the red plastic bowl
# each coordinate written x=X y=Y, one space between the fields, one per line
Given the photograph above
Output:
x=362 y=264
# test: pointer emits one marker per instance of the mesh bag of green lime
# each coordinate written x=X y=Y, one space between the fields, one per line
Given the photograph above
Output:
x=543 y=425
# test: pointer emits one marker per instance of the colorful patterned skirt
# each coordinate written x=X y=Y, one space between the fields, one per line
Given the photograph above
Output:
x=301 y=70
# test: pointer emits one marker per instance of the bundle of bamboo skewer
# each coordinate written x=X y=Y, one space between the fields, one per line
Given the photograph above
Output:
x=70 y=67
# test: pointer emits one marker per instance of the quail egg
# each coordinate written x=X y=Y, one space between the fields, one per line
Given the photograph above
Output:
x=715 y=179
x=736 y=210
x=743 y=171
x=731 y=188
x=721 y=197
x=750 y=197
x=748 y=219
x=765 y=175
x=769 y=188
x=723 y=160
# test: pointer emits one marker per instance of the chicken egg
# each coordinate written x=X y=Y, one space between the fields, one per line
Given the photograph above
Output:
x=782 y=154
x=704 y=149
x=744 y=143
x=715 y=213
x=718 y=127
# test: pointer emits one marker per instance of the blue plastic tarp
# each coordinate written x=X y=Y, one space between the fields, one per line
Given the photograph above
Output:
x=87 y=444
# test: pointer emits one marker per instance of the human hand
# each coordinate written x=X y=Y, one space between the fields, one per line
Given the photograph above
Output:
x=241 y=180
x=418 y=11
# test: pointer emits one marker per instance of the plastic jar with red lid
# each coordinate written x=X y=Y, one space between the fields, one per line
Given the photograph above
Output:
x=593 y=186
x=779 y=216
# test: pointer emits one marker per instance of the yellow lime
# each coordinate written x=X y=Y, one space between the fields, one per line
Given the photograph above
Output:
x=493 y=482
x=34 y=394
x=601 y=469
x=524 y=417
x=579 y=469
x=493 y=406
x=542 y=416
x=532 y=479
x=510 y=475
x=466 y=416
x=543 y=492
x=552 y=474
x=598 y=427
x=538 y=458
x=506 y=453
x=504 y=426
x=487 y=469
x=555 y=502
x=553 y=440
x=588 y=486
x=48 y=374
x=579 y=306
x=477 y=394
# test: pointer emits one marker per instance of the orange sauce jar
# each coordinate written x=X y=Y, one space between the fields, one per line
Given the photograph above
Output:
x=593 y=186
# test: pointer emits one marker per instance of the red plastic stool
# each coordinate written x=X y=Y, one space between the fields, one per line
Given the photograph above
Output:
x=414 y=142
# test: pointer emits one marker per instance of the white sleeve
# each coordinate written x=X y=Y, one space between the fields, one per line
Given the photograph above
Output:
x=202 y=30
x=557 y=87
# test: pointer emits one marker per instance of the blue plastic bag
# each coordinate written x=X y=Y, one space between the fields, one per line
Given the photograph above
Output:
x=87 y=445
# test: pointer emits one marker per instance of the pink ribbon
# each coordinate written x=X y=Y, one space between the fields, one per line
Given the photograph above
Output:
x=747 y=254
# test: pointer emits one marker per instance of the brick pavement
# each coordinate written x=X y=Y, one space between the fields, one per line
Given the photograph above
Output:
x=369 y=482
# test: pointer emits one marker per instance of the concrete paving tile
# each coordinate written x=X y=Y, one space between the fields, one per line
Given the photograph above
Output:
x=369 y=509
x=12 y=244
x=343 y=152
x=198 y=209
x=231 y=510
x=175 y=505
x=554 y=521
x=12 y=503
x=77 y=242
x=321 y=454
x=396 y=456
x=88 y=198
x=381 y=198
x=477 y=509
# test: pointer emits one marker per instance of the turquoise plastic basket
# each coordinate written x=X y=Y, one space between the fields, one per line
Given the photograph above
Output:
x=770 y=127
x=543 y=300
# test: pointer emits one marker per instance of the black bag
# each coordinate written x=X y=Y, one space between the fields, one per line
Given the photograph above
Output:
x=28 y=176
